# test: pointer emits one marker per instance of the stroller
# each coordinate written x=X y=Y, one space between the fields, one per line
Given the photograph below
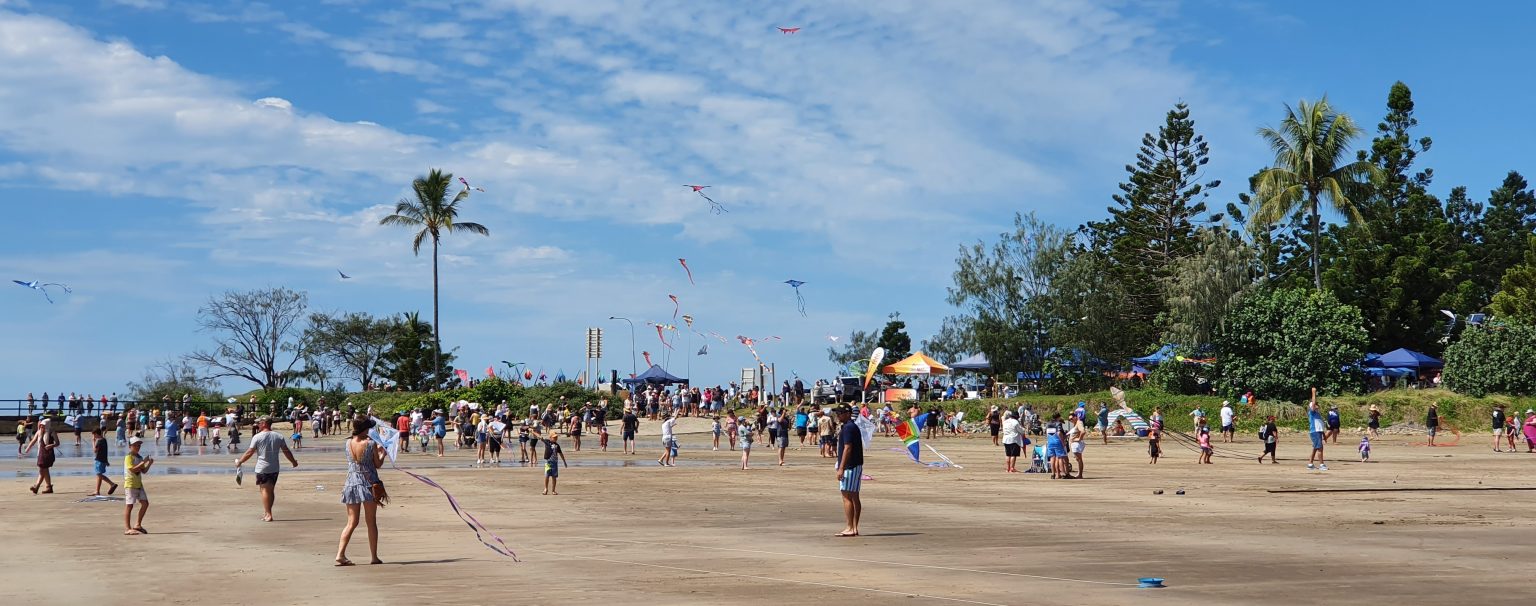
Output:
x=1037 y=460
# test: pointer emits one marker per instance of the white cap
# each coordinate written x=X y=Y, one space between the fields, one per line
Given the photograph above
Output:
x=135 y=440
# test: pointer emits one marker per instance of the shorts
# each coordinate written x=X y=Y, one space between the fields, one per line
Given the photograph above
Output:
x=629 y=435
x=495 y=445
x=1269 y=448
x=851 y=479
x=480 y=437
x=783 y=440
x=746 y=446
x=1077 y=447
x=826 y=440
x=800 y=431
x=1055 y=450
x=135 y=495
x=1205 y=450
x=576 y=433
x=1103 y=425
x=1011 y=450
x=1228 y=429
x=1317 y=440
x=440 y=434
x=172 y=439
x=1498 y=432
x=994 y=429
x=551 y=470
x=264 y=479
x=522 y=439
x=1333 y=427
x=1432 y=431
x=1374 y=424
x=101 y=468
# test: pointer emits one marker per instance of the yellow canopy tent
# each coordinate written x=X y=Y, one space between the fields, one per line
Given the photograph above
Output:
x=916 y=364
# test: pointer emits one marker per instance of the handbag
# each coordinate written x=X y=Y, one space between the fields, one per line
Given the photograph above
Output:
x=380 y=495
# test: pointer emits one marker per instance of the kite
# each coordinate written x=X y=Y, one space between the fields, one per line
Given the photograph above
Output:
x=714 y=206
x=527 y=375
x=684 y=263
x=789 y=30
x=687 y=319
x=490 y=371
x=704 y=351
x=463 y=376
x=388 y=438
x=42 y=287
x=907 y=431
x=718 y=336
x=832 y=338
x=647 y=356
x=467 y=186
x=799 y=299
x=675 y=306
x=344 y=276
x=662 y=336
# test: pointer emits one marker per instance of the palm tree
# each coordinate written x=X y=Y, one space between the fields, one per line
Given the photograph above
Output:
x=436 y=214
x=1311 y=147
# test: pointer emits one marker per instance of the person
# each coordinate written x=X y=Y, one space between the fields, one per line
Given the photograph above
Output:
x=134 y=466
x=1529 y=429
x=1319 y=428
x=266 y=445
x=1011 y=444
x=551 y=467
x=298 y=439
x=439 y=429
x=172 y=435
x=1333 y=423
x=602 y=435
x=744 y=439
x=202 y=429
x=783 y=434
x=627 y=429
x=1269 y=434
x=668 y=441
x=525 y=448
x=574 y=428
x=403 y=425
x=1154 y=438
x=1374 y=423
x=74 y=423
x=1228 y=430
x=715 y=430
x=994 y=425
x=482 y=439
x=362 y=492
x=1055 y=452
x=99 y=445
x=494 y=432
x=21 y=434
x=1077 y=441
x=46 y=442
x=824 y=433
x=1432 y=422
x=850 y=469
x=1203 y=438
x=1498 y=427
x=1103 y=425
x=802 y=419
x=1365 y=449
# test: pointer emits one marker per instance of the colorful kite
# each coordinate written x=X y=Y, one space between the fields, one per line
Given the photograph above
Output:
x=907 y=431
x=714 y=206
x=687 y=319
x=42 y=287
x=800 y=300
x=463 y=376
x=684 y=263
x=647 y=356
x=661 y=336
x=789 y=30
x=467 y=186
x=490 y=371
x=676 y=307
x=388 y=438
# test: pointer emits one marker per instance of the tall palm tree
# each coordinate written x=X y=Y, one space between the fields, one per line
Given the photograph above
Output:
x=436 y=213
x=1311 y=147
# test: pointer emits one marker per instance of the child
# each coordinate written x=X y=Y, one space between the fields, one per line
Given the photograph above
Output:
x=218 y=440
x=122 y=432
x=744 y=437
x=552 y=468
x=730 y=428
x=99 y=443
x=524 y=449
x=298 y=438
x=1153 y=437
x=1365 y=449
x=1204 y=438
x=714 y=428
x=134 y=467
x=424 y=434
x=602 y=437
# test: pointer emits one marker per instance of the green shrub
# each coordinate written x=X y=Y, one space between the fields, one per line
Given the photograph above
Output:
x=1281 y=343
x=1493 y=359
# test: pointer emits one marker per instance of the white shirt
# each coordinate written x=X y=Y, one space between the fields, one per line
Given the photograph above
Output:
x=1011 y=431
x=666 y=429
x=1226 y=415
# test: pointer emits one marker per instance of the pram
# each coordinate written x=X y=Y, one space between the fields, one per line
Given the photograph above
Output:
x=1037 y=460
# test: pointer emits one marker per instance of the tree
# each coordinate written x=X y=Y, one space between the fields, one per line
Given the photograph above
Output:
x=1152 y=224
x=1516 y=299
x=436 y=214
x=173 y=379
x=1493 y=359
x=858 y=347
x=257 y=336
x=352 y=343
x=1397 y=263
x=1281 y=343
x=1510 y=218
x=1310 y=147
x=894 y=338
x=953 y=342
x=1203 y=288
x=406 y=363
x=1003 y=291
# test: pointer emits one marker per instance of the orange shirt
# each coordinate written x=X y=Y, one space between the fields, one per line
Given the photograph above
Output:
x=202 y=421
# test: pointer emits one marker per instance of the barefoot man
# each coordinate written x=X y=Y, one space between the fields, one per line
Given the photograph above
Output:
x=266 y=446
x=850 y=469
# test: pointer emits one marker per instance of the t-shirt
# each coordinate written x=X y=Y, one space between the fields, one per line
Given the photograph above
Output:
x=130 y=478
x=403 y=424
x=666 y=429
x=824 y=426
x=440 y=424
x=551 y=451
x=268 y=446
x=744 y=433
x=1226 y=416
x=1011 y=432
x=101 y=450
x=801 y=419
x=1498 y=419
x=1432 y=419
x=1333 y=418
x=1104 y=417
x=1317 y=421
x=631 y=422
x=1269 y=433
x=850 y=446
x=1205 y=438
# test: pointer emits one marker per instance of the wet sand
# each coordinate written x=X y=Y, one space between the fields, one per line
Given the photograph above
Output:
x=623 y=530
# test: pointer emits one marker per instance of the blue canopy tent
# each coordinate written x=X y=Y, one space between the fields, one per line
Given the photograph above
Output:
x=1405 y=358
x=976 y=362
x=1163 y=354
x=655 y=375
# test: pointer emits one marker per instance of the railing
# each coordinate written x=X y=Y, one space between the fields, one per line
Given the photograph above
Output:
x=52 y=408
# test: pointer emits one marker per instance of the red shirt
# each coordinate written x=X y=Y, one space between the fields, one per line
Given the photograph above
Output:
x=403 y=424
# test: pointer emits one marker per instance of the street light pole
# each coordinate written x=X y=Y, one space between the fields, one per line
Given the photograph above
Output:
x=633 y=368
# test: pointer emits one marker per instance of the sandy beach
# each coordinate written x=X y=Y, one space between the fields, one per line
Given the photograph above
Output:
x=623 y=530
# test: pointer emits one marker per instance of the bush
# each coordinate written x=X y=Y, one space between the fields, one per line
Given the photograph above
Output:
x=1281 y=343
x=1493 y=359
x=1182 y=378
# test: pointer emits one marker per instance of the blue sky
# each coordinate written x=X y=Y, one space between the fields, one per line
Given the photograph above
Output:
x=155 y=152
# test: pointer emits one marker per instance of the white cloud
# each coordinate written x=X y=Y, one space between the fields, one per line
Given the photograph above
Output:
x=153 y=5
x=389 y=64
x=651 y=87
x=428 y=106
x=277 y=103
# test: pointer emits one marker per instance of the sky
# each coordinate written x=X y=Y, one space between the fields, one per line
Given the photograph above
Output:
x=156 y=153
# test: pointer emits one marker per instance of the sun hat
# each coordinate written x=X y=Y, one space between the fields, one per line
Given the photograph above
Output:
x=135 y=440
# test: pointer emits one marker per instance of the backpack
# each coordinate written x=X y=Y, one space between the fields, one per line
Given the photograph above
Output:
x=1264 y=433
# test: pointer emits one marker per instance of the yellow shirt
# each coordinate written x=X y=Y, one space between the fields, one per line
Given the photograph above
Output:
x=131 y=479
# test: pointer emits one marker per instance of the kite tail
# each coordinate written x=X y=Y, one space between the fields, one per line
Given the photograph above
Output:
x=465 y=516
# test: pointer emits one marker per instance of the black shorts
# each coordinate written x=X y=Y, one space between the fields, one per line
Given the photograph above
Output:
x=1375 y=424
x=1333 y=427
x=800 y=431
x=1269 y=448
x=994 y=429
x=1011 y=450
x=263 y=479
x=495 y=444
x=629 y=435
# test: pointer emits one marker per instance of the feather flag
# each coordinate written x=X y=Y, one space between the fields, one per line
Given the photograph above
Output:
x=875 y=357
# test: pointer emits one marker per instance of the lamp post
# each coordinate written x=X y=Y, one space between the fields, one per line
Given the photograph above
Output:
x=633 y=368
